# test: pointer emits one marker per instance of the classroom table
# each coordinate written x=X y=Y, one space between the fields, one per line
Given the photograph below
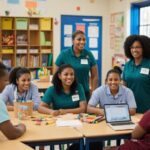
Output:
x=13 y=145
x=42 y=135
x=101 y=132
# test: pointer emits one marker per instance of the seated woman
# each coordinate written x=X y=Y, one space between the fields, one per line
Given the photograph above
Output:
x=6 y=127
x=113 y=92
x=65 y=96
x=20 y=88
x=140 y=139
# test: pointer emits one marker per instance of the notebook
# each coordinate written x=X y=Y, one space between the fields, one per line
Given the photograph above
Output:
x=118 y=117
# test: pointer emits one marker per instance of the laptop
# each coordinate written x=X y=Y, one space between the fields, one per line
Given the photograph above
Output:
x=117 y=116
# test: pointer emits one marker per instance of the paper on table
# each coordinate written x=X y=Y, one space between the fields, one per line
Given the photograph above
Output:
x=71 y=123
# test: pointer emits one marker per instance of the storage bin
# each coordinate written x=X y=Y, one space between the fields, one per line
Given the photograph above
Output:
x=45 y=24
x=7 y=23
x=21 y=23
x=7 y=51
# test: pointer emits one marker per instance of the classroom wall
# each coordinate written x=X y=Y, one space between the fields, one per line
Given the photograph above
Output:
x=55 y=8
x=124 y=6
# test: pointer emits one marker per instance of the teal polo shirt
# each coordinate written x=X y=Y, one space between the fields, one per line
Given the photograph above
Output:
x=137 y=78
x=3 y=112
x=63 y=100
x=81 y=64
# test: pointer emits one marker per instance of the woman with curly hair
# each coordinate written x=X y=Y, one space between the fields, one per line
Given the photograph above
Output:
x=136 y=74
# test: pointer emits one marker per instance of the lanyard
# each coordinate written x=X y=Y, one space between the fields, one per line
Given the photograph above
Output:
x=18 y=97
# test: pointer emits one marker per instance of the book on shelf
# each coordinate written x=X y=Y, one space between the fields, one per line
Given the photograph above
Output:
x=34 y=61
x=21 y=60
x=47 y=59
x=44 y=59
x=50 y=59
x=43 y=40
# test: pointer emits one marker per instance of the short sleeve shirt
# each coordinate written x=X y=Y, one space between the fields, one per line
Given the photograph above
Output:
x=102 y=96
x=137 y=78
x=63 y=100
x=3 y=112
x=81 y=64
x=9 y=94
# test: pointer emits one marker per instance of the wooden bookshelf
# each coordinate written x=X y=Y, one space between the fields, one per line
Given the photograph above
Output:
x=27 y=42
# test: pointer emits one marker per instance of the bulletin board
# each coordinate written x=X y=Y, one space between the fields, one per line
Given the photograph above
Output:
x=117 y=32
x=91 y=26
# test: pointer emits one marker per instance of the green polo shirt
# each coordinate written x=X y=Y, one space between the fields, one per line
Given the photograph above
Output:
x=63 y=100
x=137 y=79
x=81 y=64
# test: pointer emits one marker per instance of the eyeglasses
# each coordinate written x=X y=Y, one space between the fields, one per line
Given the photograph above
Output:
x=135 y=47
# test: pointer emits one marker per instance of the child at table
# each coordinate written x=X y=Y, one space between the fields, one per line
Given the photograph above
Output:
x=65 y=96
x=20 y=88
x=140 y=139
x=6 y=127
x=113 y=92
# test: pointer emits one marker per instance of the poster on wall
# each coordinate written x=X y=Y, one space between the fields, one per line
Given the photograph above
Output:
x=119 y=60
x=117 y=31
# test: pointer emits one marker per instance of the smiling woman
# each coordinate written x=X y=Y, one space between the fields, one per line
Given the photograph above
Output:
x=82 y=61
x=20 y=88
x=136 y=74
x=111 y=93
x=65 y=96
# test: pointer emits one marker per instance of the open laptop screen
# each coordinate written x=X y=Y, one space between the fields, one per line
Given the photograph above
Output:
x=116 y=113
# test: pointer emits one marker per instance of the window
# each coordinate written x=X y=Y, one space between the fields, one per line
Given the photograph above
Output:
x=144 y=27
x=140 y=14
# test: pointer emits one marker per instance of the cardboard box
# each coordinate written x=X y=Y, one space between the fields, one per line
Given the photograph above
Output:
x=23 y=109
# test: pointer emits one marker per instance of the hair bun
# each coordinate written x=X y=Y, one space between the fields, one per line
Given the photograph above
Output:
x=118 y=69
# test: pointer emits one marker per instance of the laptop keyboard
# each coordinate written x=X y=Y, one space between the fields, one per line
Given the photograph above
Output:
x=121 y=123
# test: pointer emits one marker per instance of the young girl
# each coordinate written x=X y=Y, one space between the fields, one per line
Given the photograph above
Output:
x=111 y=93
x=6 y=127
x=20 y=88
x=65 y=96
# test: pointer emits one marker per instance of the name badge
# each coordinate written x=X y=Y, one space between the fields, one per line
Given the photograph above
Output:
x=84 y=61
x=75 y=97
x=144 y=71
